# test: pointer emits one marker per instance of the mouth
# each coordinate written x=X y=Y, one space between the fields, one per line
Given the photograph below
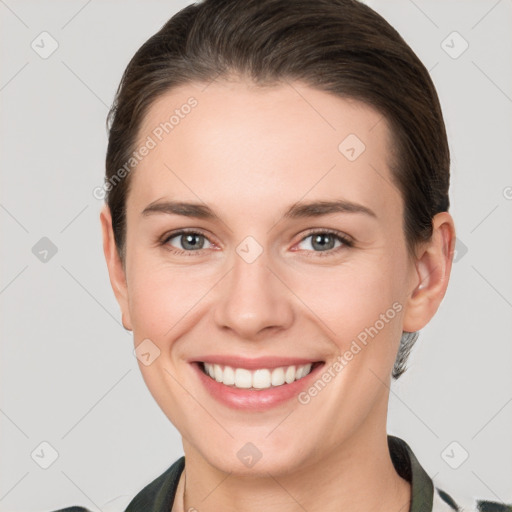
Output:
x=259 y=378
x=255 y=384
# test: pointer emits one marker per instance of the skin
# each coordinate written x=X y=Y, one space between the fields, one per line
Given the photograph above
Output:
x=249 y=153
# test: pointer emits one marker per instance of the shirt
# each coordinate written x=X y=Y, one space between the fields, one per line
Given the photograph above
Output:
x=158 y=495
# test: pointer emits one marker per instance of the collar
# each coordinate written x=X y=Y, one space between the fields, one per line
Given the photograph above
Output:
x=158 y=496
x=408 y=467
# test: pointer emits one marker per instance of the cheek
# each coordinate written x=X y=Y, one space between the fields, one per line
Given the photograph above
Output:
x=350 y=298
x=159 y=298
x=151 y=298
x=343 y=300
x=359 y=308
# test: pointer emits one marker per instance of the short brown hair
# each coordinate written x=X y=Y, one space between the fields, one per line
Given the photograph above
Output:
x=338 y=46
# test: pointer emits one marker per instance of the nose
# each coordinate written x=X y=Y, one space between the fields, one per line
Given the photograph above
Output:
x=255 y=301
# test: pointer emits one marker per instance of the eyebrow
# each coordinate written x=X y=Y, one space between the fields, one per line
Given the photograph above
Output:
x=296 y=211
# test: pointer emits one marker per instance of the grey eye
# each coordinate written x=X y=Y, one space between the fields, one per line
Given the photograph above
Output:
x=189 y=241
x=321 y=242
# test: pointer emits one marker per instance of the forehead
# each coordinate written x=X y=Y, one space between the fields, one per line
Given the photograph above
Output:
x=220 y=140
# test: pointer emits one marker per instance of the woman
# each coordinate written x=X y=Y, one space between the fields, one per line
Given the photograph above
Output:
x=276 y=231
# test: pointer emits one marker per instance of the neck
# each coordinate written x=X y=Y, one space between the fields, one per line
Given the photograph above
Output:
x=358 y=475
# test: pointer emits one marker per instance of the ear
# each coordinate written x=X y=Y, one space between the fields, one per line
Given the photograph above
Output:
x=433 y=265
x=115 y=267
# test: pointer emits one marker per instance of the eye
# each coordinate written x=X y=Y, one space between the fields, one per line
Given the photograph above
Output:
x=325 y=241
x=188 y=241
x=320 y=241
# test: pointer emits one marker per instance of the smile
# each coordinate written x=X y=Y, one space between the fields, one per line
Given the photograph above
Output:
x=260 y=378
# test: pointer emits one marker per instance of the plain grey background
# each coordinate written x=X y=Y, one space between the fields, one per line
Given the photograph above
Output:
x=68 y=376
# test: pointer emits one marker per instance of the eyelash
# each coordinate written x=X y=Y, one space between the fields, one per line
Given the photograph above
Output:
x=346 y=241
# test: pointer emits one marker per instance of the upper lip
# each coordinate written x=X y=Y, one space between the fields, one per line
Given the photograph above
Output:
x=254 y=363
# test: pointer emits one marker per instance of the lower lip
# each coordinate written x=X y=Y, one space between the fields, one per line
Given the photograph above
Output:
x=254 y=399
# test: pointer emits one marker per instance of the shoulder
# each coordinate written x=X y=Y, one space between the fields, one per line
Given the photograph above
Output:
x=427 y=497
x=72 y=509
x=117 y=504
x=445 y=502
x=157 y=495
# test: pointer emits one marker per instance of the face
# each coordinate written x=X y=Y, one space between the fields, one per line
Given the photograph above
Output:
x=294 y=253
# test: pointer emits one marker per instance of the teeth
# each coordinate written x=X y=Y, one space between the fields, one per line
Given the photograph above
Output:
x=259 y=379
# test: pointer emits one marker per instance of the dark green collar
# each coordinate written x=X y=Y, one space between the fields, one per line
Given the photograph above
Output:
x=158 y=496
x=408 y=467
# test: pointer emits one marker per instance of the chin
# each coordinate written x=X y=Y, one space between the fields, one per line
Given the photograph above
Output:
x=247 y=460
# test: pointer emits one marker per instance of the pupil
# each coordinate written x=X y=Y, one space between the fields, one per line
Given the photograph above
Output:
x=320 y=239
x=188 y=241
